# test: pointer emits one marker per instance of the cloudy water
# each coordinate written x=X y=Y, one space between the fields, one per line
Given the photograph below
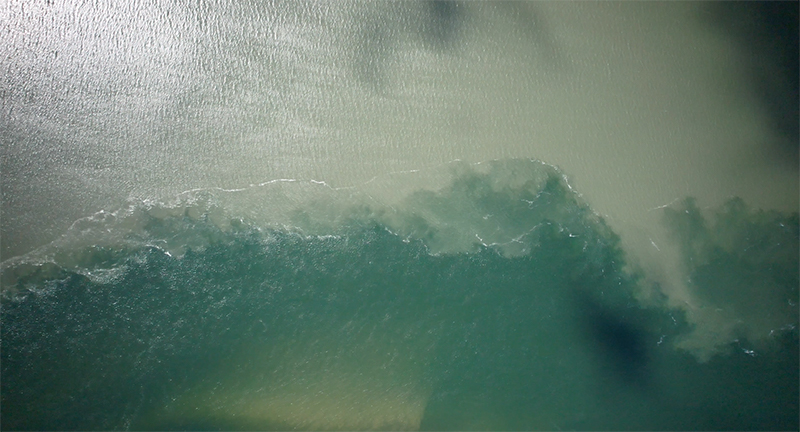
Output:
x=412 y=215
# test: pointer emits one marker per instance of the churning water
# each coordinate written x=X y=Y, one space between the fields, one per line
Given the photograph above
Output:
x=429 y=215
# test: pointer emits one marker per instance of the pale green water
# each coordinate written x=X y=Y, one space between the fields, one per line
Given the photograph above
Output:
x=348 y=216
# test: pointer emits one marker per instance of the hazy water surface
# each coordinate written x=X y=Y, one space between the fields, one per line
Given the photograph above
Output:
x=412 y=215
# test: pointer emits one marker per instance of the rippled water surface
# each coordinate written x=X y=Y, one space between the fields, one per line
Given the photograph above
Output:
x=412 y=215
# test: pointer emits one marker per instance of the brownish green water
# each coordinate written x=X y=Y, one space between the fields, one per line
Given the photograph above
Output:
x=398 y=215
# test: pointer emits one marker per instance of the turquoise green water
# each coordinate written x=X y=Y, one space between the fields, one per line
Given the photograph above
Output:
x=250 y=215
x=500 y=301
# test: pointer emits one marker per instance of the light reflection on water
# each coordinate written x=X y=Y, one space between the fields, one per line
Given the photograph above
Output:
x=179 y=127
